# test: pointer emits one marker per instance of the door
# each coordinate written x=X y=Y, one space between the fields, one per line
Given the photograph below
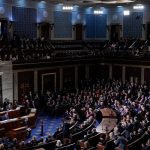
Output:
x=45 y=30
x=48 y=82
x=115 y=32
x=148 y=31
x=3 y=28
x=78 y=32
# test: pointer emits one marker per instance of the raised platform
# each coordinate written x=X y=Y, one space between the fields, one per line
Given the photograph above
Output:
x=109 y=120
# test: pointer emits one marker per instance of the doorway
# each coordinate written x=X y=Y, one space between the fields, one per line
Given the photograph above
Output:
x=3 y=28
x=148 y=32
x=45 y=30
x=115 y=32
x=78 y=32
x=48 y=82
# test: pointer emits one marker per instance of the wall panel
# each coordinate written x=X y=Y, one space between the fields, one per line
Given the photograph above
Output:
x=132 y=25
x=62 y=24
x=25 y=20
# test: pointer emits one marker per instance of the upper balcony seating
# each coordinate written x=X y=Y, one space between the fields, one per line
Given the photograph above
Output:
x=39 y=50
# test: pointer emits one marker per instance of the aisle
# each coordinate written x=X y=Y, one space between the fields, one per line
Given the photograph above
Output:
x=50 y=124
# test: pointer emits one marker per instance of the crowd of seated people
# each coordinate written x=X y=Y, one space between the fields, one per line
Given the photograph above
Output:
x=20 y=50
x=130 y=101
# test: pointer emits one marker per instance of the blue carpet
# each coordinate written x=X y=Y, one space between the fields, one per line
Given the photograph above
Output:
x=50 y=125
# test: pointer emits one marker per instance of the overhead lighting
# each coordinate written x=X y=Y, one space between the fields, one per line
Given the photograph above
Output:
x=67 y=8
x=126 y=12
x=96 y=12
x=109 y=2
x=119 y=6
x=138 y=7
x=43 y=1
x=115 y=1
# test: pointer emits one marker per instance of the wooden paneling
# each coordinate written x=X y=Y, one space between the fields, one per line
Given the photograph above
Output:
x=117 y=72
x=81 y=74
x=133 y=72
x=147 y=75
x=25 y=82
x=48 y=72
x=104 y=71
x=69 y=77
x=92 y=71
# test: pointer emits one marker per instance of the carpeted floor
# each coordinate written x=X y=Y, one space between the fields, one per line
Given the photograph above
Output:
x=50 y=125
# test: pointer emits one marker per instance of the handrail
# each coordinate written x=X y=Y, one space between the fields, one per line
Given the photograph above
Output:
x=41 y=146
x=65 y=146
x=82 y=131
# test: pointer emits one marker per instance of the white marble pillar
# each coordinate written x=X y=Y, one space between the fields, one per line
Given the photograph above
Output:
x=7 y=80
x=142 y=75
x=61 y=78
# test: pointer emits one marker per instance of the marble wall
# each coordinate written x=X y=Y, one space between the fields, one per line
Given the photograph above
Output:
x=7 y=80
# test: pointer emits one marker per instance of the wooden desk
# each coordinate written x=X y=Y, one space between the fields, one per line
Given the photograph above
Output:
x=106 y=112
x=19 y=133
x=14 y=113
x=14 y=123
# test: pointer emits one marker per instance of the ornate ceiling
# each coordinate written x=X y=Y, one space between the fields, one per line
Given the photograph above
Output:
x=84 y=2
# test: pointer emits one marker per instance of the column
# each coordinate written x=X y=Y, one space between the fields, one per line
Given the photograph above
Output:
x=61 y=78
x=76 y=77
x=15 y=85
x=35 y=81
x=123 y=74
x=142 y=75
x=87 y=71
x=110 y=71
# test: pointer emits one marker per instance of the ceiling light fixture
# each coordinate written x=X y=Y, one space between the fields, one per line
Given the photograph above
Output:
x=67 y=8
x=138 y=7
x=96 y=12
x=126 y=12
